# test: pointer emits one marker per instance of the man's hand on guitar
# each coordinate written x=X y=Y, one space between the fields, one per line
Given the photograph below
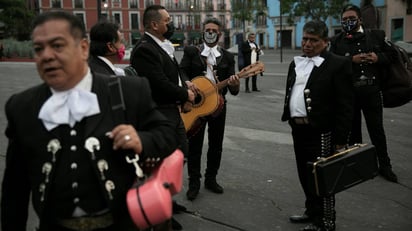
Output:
x=234 y=83
x=191 y=86
x=233 y=80
x=187 y=107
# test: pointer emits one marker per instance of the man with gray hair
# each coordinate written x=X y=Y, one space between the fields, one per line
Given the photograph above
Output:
x=318 y=107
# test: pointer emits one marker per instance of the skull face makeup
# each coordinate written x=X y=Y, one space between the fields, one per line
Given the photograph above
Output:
x=210 y=37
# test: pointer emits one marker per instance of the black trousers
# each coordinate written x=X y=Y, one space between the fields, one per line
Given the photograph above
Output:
x=254 y=85
x=215 y=130
x=173 y=114
x=369 y=102
x=309 y=144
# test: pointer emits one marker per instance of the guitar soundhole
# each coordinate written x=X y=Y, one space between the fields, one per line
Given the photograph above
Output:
x=198 y=100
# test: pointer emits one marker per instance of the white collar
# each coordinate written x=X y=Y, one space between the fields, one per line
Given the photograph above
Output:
x=116 y=70
x=166 y=45
x=84 y=84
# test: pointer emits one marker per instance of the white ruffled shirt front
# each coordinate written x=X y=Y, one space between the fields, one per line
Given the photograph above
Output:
x=211 y=53
x=303 y=68
x=71 y=106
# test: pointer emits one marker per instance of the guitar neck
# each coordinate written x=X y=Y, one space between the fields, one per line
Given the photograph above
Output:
x=220 y=85
x=246 y=72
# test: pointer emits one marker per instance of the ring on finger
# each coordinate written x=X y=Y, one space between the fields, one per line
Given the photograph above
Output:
x=127 y=137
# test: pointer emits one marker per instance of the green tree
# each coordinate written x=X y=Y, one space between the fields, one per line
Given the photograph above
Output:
x=313 y=9
x=16 y=18
x=248 y=10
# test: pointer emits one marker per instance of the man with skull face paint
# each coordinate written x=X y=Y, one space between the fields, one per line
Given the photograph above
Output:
x=369 y=54
x=217 y=64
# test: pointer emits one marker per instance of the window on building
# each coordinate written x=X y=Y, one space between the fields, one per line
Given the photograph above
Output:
x=117 y=18
x=148 y=2
x=81 y=16
x=222 y=20
x=197 y=4
x=56 y=3
x=134 y=21
x=134 y=4
x=78 y=4
x=209 y=5
x=221 y=5
x=261 y=20
x=179 y=22
x=197 y=22
x=169 y=4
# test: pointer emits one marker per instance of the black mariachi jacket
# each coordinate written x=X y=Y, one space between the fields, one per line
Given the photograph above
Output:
x=368 y=41
x=152 y=62
x=193 y=65
x=31 y=148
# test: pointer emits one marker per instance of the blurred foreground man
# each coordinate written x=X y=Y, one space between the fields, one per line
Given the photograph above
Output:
x=65 y=147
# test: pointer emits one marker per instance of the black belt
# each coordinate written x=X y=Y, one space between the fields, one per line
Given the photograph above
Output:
x=300 y=120
x=364 y=82
x=87 y=223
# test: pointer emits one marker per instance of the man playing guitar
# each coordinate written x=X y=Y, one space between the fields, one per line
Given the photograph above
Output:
x=216 y=64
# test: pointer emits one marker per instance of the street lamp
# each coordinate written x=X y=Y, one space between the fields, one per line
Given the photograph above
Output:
x=106 y=6
x=281 y=25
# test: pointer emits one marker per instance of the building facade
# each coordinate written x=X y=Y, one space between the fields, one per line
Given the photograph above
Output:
x=127 y=13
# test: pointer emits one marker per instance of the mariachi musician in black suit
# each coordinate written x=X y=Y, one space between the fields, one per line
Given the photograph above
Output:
x=370 y=56
x=153 y=58
x=251 y=52
x=318 y=106
x=217 y=64
x=67 y=146
x=106 y=49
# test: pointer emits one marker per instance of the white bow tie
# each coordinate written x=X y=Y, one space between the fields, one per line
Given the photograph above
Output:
x=317 y=60
x=68 y=107
x=210 y=51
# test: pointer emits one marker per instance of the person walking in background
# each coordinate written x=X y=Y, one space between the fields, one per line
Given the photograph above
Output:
x=216 y=64
x=65 y=148
x=318 y=107
x=106 y=49
x=251 y=53
x=369 y=54
x=153 y=58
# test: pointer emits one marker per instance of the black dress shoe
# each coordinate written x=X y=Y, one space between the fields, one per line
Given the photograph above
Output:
x=300 y=218
x=388 y=174
x=256 y=90
x=247 y=91
x=178 y=208
x=213 y=186
x=176 y=225
x=192 y=193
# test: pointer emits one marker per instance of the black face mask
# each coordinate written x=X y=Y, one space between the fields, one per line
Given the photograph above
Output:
x=210 y=38
x=170 y=30
x=349 y=25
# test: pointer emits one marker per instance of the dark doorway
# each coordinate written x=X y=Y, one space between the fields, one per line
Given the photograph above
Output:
x=286 y=38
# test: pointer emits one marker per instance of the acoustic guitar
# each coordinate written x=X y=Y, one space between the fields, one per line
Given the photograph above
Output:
x=208 y=99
